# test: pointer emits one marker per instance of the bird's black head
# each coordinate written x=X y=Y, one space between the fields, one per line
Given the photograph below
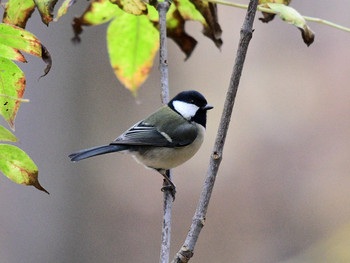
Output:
x=191 y=105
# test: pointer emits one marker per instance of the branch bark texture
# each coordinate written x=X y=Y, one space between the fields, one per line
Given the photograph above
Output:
x=186 y=251
x=163 y=8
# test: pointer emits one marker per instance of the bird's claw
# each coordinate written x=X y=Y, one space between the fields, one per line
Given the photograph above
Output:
x=169 y=188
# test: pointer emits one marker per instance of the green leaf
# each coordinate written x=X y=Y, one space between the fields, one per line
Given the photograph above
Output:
x=98 y=12
x=19 y=38
x=64 y=8
x=11 y=53
x=17 y=166
x=134 y=7
x=17 y=12
x=291 y=16
x=45 y=8
x=132 y=44
x=6 y=135
x=152 y=13
x=23 y=40
x=12 y=87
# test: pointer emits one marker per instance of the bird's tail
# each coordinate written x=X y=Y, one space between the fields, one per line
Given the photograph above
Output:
x=86 y=153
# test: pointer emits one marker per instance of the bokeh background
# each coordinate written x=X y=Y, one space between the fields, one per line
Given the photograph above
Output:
x=282 y=192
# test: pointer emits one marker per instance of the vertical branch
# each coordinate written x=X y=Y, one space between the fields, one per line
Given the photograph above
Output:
x=186 y=251
x=166 y=226
x=163 y=8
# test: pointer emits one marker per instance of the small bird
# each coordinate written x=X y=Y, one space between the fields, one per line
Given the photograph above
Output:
x=165 y=139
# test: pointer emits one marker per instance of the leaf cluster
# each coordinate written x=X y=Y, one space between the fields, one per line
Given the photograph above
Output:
x=132 y=34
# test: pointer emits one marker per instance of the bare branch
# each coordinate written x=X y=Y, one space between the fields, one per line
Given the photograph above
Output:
x=186 y=251
x=163 y=8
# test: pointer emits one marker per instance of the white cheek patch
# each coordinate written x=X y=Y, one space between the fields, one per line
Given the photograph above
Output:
x=187 y=110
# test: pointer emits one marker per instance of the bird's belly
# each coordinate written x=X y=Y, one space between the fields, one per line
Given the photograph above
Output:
x=167 y=158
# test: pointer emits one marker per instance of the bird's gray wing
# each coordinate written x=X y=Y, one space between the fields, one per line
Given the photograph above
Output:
x=145 y=134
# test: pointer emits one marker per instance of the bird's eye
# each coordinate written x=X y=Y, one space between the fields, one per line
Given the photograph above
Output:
x=192 y=101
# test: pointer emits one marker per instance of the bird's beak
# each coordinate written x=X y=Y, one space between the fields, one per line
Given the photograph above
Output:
x=207 y=107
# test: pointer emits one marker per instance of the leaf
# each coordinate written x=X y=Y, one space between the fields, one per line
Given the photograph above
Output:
x=291 y=16
x=23 y=40
x=98 y=12
x=17 y=12
x=209 y=12
x=12 y=87
x=11 y=53
x=268 y=16
x=6 y=135
x=175 y=28
x=132 y=44
x=19 y=38
x=45 y=8
x=46 y=57
x=134 y=7
x=203 y=12
x=64 y=8
x=285 y=2
x=176 y=31
x=17 y=166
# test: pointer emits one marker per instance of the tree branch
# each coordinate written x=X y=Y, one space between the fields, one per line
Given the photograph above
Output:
x=267 y=10
x=186 y=251
x=163 y=8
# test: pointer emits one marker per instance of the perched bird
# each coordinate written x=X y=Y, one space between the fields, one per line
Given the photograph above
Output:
x=165 y=139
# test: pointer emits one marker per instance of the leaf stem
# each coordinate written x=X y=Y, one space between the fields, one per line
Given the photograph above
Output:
x=325 y=22
x=14 y=98
x=267 y=10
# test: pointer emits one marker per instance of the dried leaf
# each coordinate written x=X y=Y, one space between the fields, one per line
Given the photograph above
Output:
x=134 y=7
x=291 y=16
x=209 y=12
x=132 y=44
x=203 y=12
x=176 y=31
x=45 y=55
x=17 y=12
x=268 y=16
x=18 y=166
x=45 y=8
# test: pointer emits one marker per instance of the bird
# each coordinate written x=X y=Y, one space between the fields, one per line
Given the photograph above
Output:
x=165 y=139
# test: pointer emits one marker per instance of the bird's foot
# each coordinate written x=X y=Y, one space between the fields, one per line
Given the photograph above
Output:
x=171 y=188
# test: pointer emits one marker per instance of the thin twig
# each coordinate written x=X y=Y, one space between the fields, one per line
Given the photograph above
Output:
x=267 y=10
x=186 y=251
x=163 y=8
x=14 y=98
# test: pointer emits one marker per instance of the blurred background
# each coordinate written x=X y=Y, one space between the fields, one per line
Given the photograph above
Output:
x=282 y=192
